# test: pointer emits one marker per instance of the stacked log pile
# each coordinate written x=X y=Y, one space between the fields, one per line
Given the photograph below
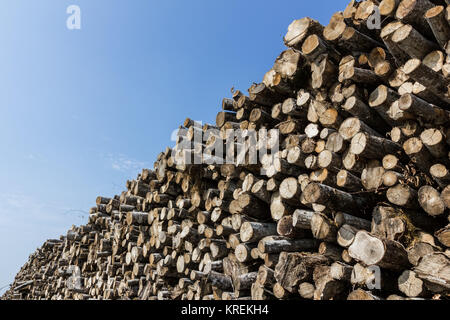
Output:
x=354 y=205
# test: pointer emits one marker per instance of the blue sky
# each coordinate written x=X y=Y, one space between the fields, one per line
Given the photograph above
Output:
x=84 y=110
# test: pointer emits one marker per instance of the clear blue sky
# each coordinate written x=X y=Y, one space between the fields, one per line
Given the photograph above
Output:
x=84 y=110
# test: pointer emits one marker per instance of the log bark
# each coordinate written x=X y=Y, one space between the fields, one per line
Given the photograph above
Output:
x=299 y=30
x=294 y=268
x=430 y=201
x=435 y=17
x=435 y=82
x=323 y=228
x=274 y=244
x=434 y=269
x=371 y=146
x=443 y=235
x=372 y=250
x=255 y=231
x=332 y=198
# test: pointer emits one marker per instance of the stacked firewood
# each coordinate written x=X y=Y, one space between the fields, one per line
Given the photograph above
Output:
x=353 y=205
